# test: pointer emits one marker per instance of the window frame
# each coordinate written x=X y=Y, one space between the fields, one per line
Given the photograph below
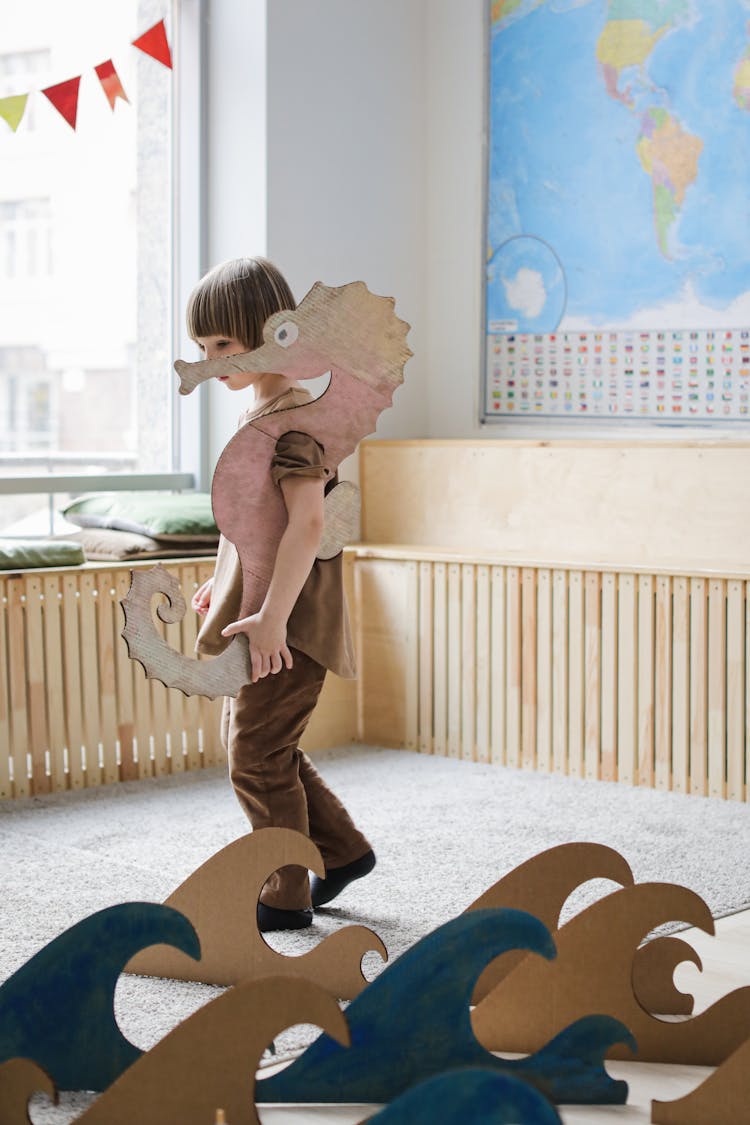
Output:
x=190 y=414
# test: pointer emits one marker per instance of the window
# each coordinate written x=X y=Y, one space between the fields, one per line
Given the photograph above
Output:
x=86 y=220
x=26 y=238
x=16 y=69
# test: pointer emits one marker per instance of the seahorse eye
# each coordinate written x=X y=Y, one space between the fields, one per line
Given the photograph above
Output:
x=286 y=334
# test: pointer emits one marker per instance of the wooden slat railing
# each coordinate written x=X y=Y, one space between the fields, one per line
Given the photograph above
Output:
x=621 y=674
x=75 y=711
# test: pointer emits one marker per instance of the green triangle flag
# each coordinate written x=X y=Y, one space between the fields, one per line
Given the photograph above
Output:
x=12 y=109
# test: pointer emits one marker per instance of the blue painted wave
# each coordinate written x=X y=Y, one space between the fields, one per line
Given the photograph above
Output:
x=58 y=1009
x=470 y=1097
x=413 y=1022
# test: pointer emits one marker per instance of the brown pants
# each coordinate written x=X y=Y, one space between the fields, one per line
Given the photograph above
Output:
x=276 y=783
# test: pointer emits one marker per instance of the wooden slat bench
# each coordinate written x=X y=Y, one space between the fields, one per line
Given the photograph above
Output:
x=76 y=712
x=579 y=608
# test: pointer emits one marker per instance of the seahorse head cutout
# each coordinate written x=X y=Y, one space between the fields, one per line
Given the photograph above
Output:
x=347 y=331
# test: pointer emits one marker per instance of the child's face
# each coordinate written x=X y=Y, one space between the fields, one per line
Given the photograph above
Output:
x=213 y=347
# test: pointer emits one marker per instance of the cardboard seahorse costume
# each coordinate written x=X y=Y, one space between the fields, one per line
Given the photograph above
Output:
x=348 y=331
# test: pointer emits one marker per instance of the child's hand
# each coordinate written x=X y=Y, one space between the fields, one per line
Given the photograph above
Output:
x=269 y=652
x=201 y=599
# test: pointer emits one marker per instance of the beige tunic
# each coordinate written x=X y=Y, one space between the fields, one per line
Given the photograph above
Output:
x=319 y=623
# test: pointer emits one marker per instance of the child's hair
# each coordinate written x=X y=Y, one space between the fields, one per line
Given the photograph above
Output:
x=236 y=298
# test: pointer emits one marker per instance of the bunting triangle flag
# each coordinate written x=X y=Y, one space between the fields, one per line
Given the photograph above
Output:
x=154 y=42
x=13 y=108
x=111 y=83
x=64 y=97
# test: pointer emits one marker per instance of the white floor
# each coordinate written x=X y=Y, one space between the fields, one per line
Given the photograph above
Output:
x=726 y=966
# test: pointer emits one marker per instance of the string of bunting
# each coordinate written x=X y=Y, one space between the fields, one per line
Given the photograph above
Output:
x=64 y=95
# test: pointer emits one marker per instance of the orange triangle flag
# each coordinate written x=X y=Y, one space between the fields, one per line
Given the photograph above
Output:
x=64 y=97
x=12 y=109
x=111 y=83
x=154 y=42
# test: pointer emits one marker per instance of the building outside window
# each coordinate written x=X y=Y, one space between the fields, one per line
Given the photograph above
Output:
x=86 y=384
x=26 y=238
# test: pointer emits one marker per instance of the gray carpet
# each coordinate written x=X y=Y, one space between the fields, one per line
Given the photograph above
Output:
x=443 y=831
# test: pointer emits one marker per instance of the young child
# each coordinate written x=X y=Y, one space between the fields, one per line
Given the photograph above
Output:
x=302 y=628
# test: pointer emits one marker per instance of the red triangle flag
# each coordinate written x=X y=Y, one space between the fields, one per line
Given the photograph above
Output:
x=111 y=83
x=64 y=97
x=154 y=42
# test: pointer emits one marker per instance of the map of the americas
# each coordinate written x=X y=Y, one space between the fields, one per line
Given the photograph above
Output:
x=618 y=155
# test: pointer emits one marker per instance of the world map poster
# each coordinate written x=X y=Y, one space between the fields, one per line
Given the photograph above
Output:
x=618 y=210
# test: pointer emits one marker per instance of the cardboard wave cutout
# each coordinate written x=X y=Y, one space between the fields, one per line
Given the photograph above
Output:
x=20 y=1079
x=542 y=885
x=593 y=972
x=347 y=331
x=211 y=1058
x=220 y=900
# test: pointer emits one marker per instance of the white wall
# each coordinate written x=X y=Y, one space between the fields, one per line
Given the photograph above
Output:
x=373 y=119
x=347 y=157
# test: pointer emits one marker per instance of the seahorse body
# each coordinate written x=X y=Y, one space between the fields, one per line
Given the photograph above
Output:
x=347 y=331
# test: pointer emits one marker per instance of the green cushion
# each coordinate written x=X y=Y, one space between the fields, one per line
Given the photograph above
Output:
x=169 y=516
x=26 y=554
